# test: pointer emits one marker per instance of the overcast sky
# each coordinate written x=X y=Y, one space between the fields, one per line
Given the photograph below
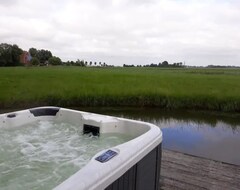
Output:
x=197 y=32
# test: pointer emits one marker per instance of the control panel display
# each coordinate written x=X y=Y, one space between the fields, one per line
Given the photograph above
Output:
x=106 y=156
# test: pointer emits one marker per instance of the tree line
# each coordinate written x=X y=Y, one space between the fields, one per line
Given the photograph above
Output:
x=163 y=64
x=10 y=56
x=43 y=57
x=83 y=63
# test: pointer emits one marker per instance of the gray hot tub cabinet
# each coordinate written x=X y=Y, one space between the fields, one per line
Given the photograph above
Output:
x=144 y=175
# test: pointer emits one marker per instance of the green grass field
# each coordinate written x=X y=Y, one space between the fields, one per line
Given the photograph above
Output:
x=204 y=89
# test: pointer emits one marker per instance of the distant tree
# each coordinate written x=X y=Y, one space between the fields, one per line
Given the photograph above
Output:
x=86 y=63
x=16 y=52
x=44 y=55
x=33 y=52
x=35 y=61
x=95 y=63
x=4 y=54
x=125 y=65
x=80 y=63
x=153 y=65
x=10 y=55
x=2 y=60
x=90 y=63
x=165 y=63
x=54 y=60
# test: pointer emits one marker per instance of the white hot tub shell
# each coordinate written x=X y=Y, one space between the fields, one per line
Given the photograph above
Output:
x=133 y=165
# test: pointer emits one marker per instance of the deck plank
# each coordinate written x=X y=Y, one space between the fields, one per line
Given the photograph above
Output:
x=182 y=171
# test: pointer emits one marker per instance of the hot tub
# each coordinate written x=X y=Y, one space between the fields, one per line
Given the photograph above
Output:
x=134 y=164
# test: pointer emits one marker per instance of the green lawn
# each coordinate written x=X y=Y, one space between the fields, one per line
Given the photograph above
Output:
x=206 y=89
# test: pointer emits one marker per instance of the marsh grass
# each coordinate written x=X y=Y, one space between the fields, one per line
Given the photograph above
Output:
x=200 y=89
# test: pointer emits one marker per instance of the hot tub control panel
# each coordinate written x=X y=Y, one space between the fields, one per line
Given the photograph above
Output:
x=106 y=156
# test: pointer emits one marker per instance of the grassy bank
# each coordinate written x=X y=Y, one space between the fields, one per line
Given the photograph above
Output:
x=205 y=89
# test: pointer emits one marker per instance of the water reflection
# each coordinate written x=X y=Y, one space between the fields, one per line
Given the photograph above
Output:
x=219 y=143
x=209 y=135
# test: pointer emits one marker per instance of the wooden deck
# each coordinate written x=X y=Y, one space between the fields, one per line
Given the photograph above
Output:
x=181 y=171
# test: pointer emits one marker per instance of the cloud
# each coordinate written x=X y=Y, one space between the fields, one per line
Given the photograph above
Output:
x=8 y=3
x=133 y=31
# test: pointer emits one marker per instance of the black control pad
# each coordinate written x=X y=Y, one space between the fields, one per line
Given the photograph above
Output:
x=104 y=157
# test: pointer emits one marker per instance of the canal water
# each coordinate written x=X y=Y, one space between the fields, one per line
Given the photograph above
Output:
x=205 y=134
